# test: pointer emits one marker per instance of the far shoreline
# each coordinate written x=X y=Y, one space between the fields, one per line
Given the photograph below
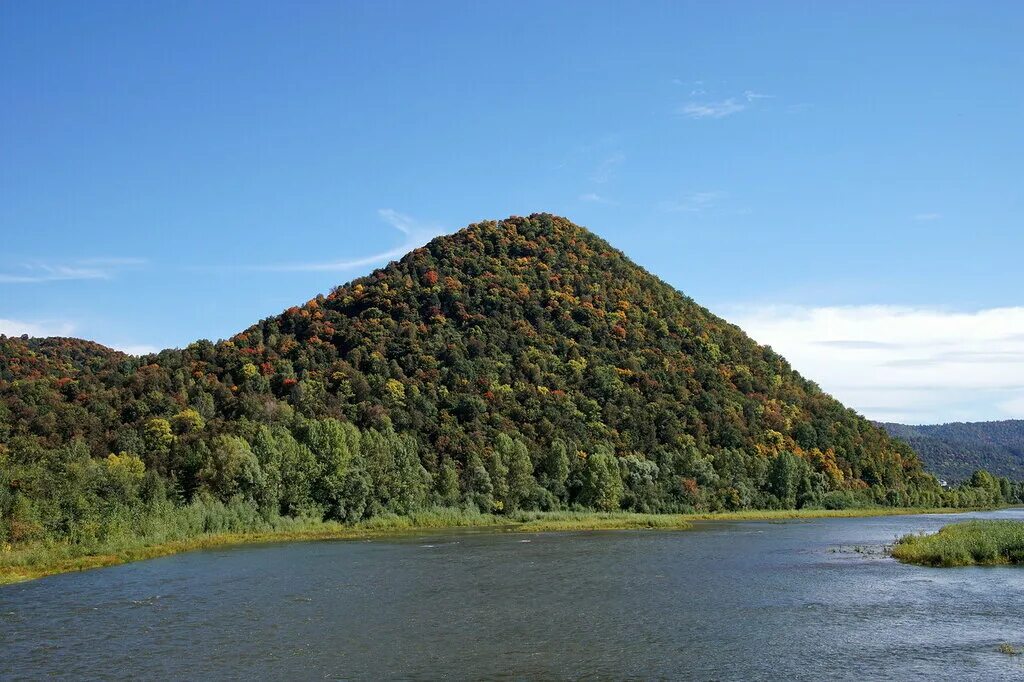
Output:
x=426 y=522
x=13 y=571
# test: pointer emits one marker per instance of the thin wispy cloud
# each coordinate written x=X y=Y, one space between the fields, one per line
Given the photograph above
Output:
x=399 y=221
x=927 y=217
x=694 y=202
x=601 y=147
x=112 y=261
x=34 y=274
x=719 y=108
x=902 y=363
x=696 y=87
x=416 y=234
x=82 y=269
x=605 y=170
x=595 y=198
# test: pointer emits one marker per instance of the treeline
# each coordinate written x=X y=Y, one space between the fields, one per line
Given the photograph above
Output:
x=954 y=451
x=983 y=489
x=520 y=364
x=187 y=482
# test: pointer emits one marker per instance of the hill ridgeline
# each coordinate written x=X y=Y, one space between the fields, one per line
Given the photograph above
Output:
x=956 y=450
x=514 y=365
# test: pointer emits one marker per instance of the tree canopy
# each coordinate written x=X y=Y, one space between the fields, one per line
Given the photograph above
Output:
x=520 y=364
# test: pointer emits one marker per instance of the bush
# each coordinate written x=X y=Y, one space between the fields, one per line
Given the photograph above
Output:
x=842 y=499
x=965 y=544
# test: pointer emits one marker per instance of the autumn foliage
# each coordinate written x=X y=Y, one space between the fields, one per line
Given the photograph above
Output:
x=489 y=354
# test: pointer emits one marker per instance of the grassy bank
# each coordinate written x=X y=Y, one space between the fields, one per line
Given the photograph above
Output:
x=970 y=543
x=45 y=559
x=48 y=558
x=567 y=521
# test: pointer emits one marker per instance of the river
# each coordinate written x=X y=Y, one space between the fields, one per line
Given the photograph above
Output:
x=724 y=601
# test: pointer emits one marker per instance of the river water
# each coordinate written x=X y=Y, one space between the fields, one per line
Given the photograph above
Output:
x=725 y=601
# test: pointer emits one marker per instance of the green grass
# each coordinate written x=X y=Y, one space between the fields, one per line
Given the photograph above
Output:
x=47 y=558
x=969 y=543
x=545 y=522
x=785 y=514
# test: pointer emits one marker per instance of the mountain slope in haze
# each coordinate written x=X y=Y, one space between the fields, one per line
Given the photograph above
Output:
x=516 y=364
x=954 y=451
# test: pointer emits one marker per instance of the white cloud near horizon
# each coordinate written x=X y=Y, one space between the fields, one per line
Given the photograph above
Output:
x=416 y=235
x=44 y=328
x=10 y=327
x=135 y=348
x=906 y=364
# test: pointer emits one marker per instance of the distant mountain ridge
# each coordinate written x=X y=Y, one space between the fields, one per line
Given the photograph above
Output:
x=953 y=451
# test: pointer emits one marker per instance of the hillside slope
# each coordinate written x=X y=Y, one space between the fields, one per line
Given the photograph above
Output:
x=537 y=327
x=515 y=364
x=954 y=451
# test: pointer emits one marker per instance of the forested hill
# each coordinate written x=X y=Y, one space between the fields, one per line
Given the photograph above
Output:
x=515 y=364
x=538 y=328
x=954 y=451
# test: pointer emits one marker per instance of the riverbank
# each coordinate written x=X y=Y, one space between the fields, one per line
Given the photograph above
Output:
x=969 y=543
x=17 y=565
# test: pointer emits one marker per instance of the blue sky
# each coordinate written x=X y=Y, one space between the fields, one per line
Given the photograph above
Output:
x=845 y=180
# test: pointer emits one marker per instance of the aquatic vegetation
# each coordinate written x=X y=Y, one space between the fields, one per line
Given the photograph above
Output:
x=567 y=521
x=967 y=543
x=182 y=530
x=1010 y=650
